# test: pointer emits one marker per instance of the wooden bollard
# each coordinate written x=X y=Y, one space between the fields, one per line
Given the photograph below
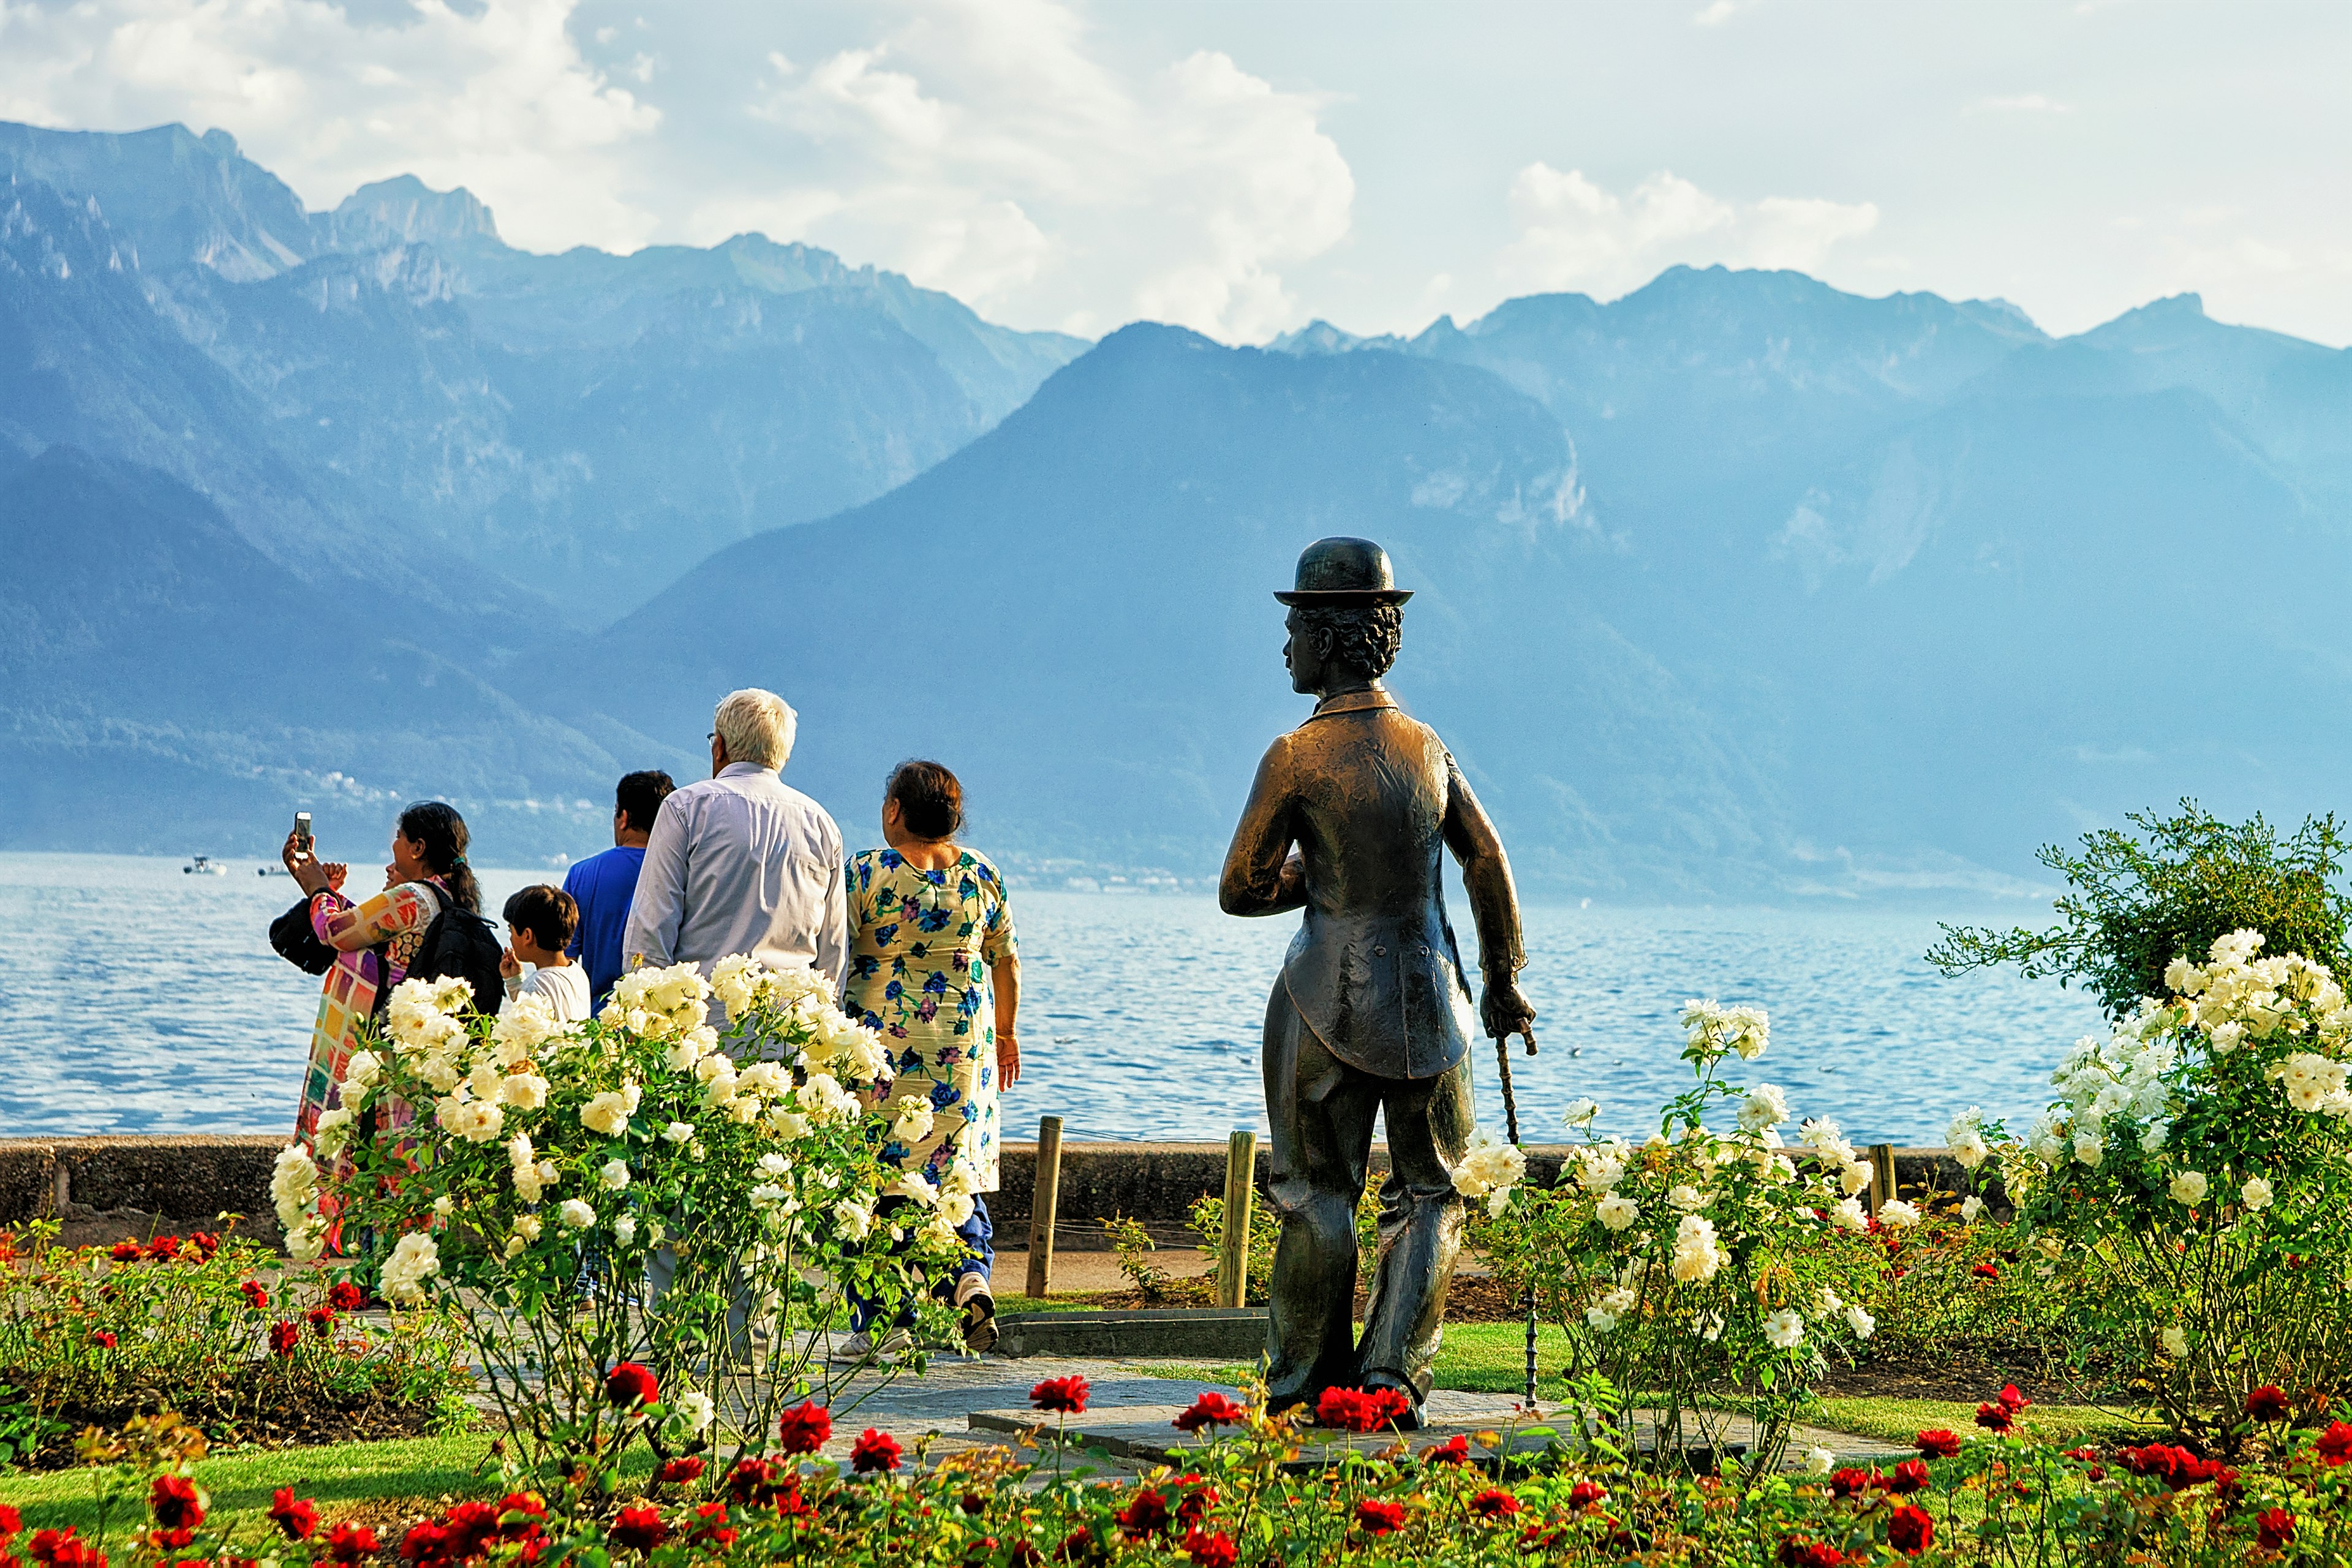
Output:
x=1044 y=1197
x=1241 y=1190
x=1882 y=1175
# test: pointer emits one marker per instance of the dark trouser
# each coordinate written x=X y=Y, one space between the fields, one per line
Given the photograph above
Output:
x=1322 y=1112
x=978 y=1232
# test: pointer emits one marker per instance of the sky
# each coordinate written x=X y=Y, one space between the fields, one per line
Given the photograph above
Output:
x=1245 y=168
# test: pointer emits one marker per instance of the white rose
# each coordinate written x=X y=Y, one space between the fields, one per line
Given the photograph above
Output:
x=1765 y=1106
x=625 y=1229
x=615 y=1175
x=1848 y=1215
x=1696 y=1255
x=516 y=1247
x=915 y=1189
x=2189 y=1187
x=856 y=1219
x=608 y=1113
x=1971 y=1207
x=334 y=1130
x=2176 y=1342
x=528 y=1227
x=1688 y=1198
x=1580 y=1113
x=1969 y=1149
x=361 y=1070
x=1862 y=1324
x=1616 y=1212
x=2255 y=1194
x=677 y=1132
x=1786 y=1328
x=1819 y=1461
x=1898 y=1214
x=2089 y=1147
x=1854 y=1178
x=576 y=1213
x=696 y=1409
x=786 y=1124
x=524 y=1091
x=413 y=1260
x=445 y=1206
x=773 y=1163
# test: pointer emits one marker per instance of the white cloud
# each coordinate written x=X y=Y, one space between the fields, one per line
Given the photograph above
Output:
x=496 y=97
x=1573 y=234
x=1717 y=12
x=2020 y=104
x=989 y=151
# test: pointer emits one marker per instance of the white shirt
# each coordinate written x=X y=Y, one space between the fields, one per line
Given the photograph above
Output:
x=741 y=863
x=565 y=990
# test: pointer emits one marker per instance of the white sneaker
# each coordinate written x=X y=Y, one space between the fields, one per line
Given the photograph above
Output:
x=861 y=1348
x=979 y=1309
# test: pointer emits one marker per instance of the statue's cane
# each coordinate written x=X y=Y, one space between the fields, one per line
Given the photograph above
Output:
x=1511 y=1126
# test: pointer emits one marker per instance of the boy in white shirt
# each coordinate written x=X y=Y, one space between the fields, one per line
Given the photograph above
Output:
x=541 y=921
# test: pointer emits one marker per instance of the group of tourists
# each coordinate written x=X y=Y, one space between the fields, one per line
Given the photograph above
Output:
x=916 y=937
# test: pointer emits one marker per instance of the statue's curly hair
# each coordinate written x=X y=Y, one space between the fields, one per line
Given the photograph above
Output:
x=1364 y=637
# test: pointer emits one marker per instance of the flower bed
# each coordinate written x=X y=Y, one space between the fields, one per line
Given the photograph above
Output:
x=1992 y=1493
x=211 y=1326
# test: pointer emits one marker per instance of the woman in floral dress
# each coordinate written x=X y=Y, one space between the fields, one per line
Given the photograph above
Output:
x=933 y=965
x=374 y=943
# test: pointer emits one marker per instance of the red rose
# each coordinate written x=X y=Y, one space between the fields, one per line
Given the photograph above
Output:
x=128 y=1252
x=63 y=1548
x=2012 y=1401
x=710 y=1526
x=2273 y=1528
x=1798 y=1553
x=1987 y=1270
x=1341 y=1409
x=255 y=1296
x=2334 y=1444
x=297 y=1516
x=1909 y=1530
x=1389 y=1405
x=629 y=1386
x=1376 y=1517
x=805 y=1428
x=2267 y=1402
x=102 y=1340
x=754 y=1482
x=1197 y=1498
x=322 y=1320
x=11 y=1522
x=1848 y=1481
x=283 y=1337
x=348 y=1543
x=1454 y=1450
x=1212 y=1550
x=1586 y=1494
x=1067 y=1395
x=684 y=1470
x=346 y=1297
x=874 y=1451
x=1995 y=1417
x=163 y=1247
x=205 y=1242
x=1211 y=1409
x=639 y=1529
x=1938 y=1443
x=1910 y=1475
x=176 y=1504
x=1494 y=1503
x=1146 y=1513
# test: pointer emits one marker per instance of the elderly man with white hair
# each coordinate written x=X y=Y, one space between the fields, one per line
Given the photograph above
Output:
x=742 y=862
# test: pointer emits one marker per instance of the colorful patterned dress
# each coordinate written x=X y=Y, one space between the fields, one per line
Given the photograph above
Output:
x=391 y=923
x=919 y=958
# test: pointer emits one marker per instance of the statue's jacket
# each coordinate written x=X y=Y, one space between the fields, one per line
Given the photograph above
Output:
x=1364 y=791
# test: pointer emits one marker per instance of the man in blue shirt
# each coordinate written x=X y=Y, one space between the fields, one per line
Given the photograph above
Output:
x=603 y=885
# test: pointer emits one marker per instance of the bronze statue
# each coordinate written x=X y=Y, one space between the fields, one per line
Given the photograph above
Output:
x=1372 y=1014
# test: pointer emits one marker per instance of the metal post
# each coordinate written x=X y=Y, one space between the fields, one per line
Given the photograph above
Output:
x=1241 y=1189
x=1044 y=1198
x=1882 y=1175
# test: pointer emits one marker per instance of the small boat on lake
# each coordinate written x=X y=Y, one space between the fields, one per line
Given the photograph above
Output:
x=203 y=865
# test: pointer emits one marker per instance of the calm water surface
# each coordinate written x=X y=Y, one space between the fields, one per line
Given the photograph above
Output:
x=136 y=998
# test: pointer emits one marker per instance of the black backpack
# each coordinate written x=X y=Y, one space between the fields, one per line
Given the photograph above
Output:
x=461 y=942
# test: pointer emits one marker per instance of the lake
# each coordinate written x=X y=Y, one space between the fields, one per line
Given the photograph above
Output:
x=136 y=998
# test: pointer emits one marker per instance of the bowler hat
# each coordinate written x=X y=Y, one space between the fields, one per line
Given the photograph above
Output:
x=1342 y=571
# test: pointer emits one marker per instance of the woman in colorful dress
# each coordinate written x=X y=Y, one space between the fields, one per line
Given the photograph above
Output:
x=375 y=943
x=933 y=965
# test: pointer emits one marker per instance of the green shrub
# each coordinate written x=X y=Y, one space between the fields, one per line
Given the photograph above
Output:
x=2137 y=903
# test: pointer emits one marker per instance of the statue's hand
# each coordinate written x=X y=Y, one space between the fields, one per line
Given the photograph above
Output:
x=1506 y=1011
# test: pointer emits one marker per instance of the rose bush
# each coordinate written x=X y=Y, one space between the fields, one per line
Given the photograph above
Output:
x=1994 y=1497
x=647 y=1188
x=2200 y=1156
x=212 y=1326
x=1704 y=1259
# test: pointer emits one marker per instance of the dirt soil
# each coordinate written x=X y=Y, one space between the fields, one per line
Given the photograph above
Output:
x=278 y=1424
x=1967 y=1368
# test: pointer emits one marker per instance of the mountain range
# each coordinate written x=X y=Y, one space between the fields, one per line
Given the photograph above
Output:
x=1738 y=587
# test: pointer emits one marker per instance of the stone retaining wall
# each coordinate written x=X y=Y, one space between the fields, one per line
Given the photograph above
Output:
x=106 y=1188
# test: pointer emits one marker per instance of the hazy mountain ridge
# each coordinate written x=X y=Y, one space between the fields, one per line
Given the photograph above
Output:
x=1737 y=587
x=500 y=404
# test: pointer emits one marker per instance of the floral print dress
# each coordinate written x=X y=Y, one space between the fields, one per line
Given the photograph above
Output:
x=392 y=923
x=919 y=958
